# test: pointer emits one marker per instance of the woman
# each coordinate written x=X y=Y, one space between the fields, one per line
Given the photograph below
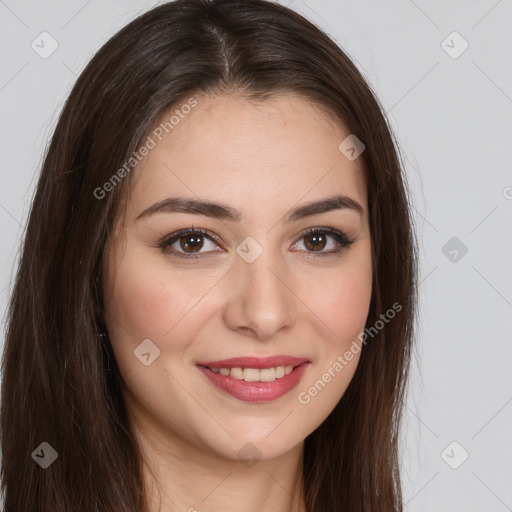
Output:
x=215 y=300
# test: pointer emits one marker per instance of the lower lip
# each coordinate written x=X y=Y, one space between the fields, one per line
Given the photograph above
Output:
x=256 y=392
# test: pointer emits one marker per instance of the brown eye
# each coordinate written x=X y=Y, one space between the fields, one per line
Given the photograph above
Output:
x=191 y=242
x=188 y=243
x=315 y=241
x=318 y=239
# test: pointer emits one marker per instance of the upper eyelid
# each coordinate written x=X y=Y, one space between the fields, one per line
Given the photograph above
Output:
x=329 y=231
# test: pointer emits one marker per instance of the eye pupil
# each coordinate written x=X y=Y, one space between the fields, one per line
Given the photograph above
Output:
x=193 y=242
x=317 y=241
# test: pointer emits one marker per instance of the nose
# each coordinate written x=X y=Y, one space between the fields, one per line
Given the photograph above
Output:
x=261 y=302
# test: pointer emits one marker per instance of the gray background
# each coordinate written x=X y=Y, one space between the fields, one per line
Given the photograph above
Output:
x=452 y=120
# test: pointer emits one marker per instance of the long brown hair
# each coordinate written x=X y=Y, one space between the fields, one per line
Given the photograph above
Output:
x=61 y=384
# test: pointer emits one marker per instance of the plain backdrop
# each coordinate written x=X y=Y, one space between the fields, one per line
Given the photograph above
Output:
x=443 y=73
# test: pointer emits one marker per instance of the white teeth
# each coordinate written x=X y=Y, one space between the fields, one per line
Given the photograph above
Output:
x=235 y=373
x=267 y=374
x=251 y=374
x=255 y=374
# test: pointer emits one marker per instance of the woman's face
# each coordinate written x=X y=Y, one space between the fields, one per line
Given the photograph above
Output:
x=259 y=288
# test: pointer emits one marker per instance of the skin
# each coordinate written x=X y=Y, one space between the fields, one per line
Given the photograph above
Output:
x=263 y=159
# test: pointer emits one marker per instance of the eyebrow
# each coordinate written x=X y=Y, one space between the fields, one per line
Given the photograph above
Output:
x=225 y=212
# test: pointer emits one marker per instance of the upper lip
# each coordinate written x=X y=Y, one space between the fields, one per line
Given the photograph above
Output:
x=255 y=362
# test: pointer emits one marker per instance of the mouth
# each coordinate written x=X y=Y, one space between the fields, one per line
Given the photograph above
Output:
x=255 y=379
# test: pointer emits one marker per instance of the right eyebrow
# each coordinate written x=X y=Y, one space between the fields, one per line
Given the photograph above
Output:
x=226 y=212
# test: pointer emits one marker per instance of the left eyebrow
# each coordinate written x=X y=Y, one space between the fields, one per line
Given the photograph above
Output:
x=225 y=212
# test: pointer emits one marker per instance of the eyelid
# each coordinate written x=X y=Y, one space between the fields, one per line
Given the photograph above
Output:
x=341 y=238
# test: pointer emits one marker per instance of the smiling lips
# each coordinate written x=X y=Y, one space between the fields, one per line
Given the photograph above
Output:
x=255 y=379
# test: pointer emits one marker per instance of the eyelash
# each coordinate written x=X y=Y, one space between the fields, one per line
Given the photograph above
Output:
x=341 y=238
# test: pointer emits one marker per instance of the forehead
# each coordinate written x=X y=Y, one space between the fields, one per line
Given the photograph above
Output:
x=255 y=156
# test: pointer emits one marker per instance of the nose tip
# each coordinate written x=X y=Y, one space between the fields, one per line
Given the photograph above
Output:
x=261 y=303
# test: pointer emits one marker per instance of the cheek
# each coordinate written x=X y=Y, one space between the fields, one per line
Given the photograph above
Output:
x=340 y=301
x=145 y=303
x=149 y=301
x=337 y=355
x=343 y=313
x=346 y=307
x=141 y=304
x=340 y=298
